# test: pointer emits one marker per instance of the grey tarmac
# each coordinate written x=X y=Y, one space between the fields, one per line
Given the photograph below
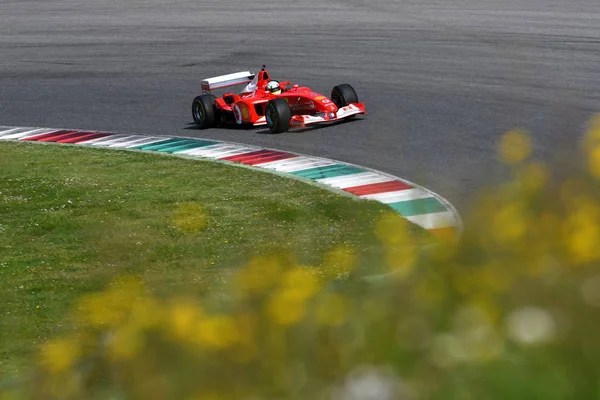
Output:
x=442 y=80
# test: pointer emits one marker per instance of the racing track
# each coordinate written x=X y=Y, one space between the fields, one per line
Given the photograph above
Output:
x=441 y=79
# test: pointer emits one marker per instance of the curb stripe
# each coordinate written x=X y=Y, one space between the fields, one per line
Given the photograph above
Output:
x=212 y=150
x=297 y=164
x=191 y=145
x=220 y=153
x=258 y=157
x=413 y=202
x=398 y=196
x=102 y=140
x=178 y=145
x=26 y=133
x=362 y=178
x=77 y=139
x=411 y=208
x=55 y=137
x=375 y=188
x=108 y=141
x=156 y=145
x=45 y=135
x=329 y=171
x=131 y=144
x=7 y=132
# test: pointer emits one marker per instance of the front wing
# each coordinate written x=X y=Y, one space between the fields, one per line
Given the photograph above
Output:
x=303 y=120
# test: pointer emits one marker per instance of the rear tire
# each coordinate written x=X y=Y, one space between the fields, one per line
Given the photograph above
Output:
x=343 y=94
x=204 y=111
x=278 y=115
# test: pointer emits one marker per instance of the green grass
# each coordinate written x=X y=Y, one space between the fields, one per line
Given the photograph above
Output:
x=71 y=219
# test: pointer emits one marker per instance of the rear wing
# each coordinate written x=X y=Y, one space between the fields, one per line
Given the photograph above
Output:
x=222 y=81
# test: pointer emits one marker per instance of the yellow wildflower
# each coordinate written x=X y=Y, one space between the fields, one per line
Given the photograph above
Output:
x=59 y=355
x=125 y=343
x=533 y=177
x=217 y=332
x=331 y=310
x=260 y=274
x=286 y=307
x=515 y=146
x=301 y=282
x=183 y=316
x=510 y=223
x=110 y=308
x=392 y=229
x=582 y=231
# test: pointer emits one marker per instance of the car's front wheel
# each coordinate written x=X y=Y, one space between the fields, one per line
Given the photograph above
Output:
x=343 y=94
x=278 y=115
x=204 y=111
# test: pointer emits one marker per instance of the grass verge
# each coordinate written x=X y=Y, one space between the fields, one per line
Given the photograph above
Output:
x=71 y=219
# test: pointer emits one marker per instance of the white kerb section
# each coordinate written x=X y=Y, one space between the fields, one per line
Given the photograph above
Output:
x=363 y=178
x=23 y=133
x=296 y=164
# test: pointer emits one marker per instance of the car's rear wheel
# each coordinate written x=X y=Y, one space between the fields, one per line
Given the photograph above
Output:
x=343 y=94
x=204 y=111
x=278 y=115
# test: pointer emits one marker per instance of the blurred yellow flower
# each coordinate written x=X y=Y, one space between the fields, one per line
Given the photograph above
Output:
x=594 y=161
x=401 y=260
x=287 y=307
x=190 y=218
x=331 y=309
x=582 y=231
x=260 y=274
x=533 y=177
x=59 y=355
x=393 y=230
x=217 y=331
x=110 y=308
x=125 y=343
x=184 y=316
x=510 y=223
x=515 y=146
x=147 y=313
x=301 y=282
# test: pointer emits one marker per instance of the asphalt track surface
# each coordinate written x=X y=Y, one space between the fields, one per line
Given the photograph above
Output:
x=442 y=79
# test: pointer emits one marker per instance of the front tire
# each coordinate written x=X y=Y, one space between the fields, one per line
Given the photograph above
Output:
x=204 y=111
x=343 y=94
x=278 y=115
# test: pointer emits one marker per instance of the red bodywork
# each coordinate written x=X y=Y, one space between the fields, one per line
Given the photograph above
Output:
x=307 y=107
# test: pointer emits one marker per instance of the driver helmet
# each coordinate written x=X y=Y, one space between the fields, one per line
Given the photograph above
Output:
x=273 y=87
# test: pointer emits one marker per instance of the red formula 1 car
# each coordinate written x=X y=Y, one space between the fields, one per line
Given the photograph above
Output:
x=263 y=101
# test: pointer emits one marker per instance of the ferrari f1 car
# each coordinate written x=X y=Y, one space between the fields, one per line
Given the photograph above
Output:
x=263 y=101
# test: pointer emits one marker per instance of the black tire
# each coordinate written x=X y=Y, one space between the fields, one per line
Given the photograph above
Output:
x=278 y=115
x=204 y=111
x=343 y=94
